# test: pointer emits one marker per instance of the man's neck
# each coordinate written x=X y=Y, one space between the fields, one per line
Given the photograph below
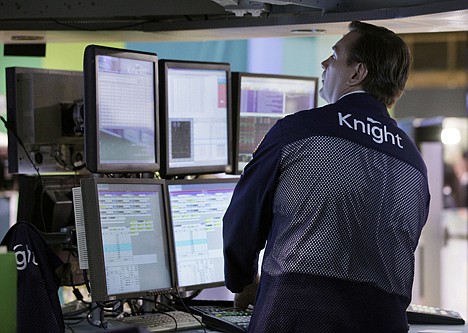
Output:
x=352 y=92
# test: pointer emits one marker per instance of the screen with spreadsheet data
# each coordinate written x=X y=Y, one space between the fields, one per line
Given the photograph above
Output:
x=195 y=117
x=121 y=123
x=126 y=238
x=259 y=100
x=195 y=215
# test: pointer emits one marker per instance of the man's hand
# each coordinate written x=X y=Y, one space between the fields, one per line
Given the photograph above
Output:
x=247 y=296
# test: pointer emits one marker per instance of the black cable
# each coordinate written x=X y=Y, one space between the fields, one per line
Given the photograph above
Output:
x=102 y=308
x=194 y=294
x=133 y=309
x=76 y=291
x=168 y=308
x=114 y=308
x=21 y=143
x=69 y=327
x=173 y=318
x=72 y=315
x=15 y=134
x=101 y=318
x=86 y=280
x=89 y=318
x=188 y=310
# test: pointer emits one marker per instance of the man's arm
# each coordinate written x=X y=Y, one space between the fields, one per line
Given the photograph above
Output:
x=248 y=218
x=248 y=295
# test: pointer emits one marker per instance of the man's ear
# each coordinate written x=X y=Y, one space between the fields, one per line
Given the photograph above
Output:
x=358 y=75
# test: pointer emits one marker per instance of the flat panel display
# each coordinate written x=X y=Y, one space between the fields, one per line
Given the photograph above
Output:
x=259 y=100
x=195 y=117
x=126 y=238
x=121 y=107
x=196 y=209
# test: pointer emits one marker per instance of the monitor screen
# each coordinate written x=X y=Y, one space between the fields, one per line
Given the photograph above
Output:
x=121 y=123
x=259 y=100
x=45 y=113
x=126 y=237
x=196 y=209
x=195 y=117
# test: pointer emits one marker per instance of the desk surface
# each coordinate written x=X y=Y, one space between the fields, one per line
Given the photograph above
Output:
x=85 y=327
x=439 y=328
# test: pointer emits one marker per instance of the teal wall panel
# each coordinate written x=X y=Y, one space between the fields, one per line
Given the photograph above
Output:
x=231 y=51
x=303 y=56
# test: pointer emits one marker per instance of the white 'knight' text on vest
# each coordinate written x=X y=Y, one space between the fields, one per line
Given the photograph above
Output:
x=372 y=128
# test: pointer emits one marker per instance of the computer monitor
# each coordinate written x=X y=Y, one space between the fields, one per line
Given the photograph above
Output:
x=195 y=213
x=195 y=117
x=45 y=113
x=259 y=100
x=47 y=202
x=121 y=106
x=126 y=238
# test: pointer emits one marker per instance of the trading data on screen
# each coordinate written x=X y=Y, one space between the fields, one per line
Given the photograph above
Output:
x=198 y=117
x=265 y=99
x=196 y=214
x=126 y=103
x=133 y=238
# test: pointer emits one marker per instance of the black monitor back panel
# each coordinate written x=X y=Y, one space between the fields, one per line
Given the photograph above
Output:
x=44 y=111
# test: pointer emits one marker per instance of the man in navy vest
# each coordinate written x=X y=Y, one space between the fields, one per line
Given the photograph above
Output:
x=339 y=196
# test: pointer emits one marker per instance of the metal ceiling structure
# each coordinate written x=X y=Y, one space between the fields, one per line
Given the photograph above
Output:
x=190 y=20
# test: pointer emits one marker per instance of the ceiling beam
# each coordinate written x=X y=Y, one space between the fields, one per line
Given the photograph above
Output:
x=337 y=5
x=225 y=3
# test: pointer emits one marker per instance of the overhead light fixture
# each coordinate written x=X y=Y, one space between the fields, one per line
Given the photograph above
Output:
x=29 y=38
x=308 y=31
x=25 y=48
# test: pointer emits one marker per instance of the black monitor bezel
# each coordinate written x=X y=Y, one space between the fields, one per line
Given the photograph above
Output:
x=227 y=179
x=166 y=171
x=236 y=95
x=92 y=158
x=18 y=161
x=94 y=242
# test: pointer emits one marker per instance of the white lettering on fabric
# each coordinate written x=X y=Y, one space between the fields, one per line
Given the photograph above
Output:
x=24 y=256
x=370 y=127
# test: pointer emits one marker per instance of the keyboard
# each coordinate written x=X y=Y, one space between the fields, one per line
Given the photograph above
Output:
x=229 y=321
x=223 y=318
x=171 y=321
x=421 y=314
x=209 y=309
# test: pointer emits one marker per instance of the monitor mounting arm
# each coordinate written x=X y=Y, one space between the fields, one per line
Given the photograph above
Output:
x=259 y=7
